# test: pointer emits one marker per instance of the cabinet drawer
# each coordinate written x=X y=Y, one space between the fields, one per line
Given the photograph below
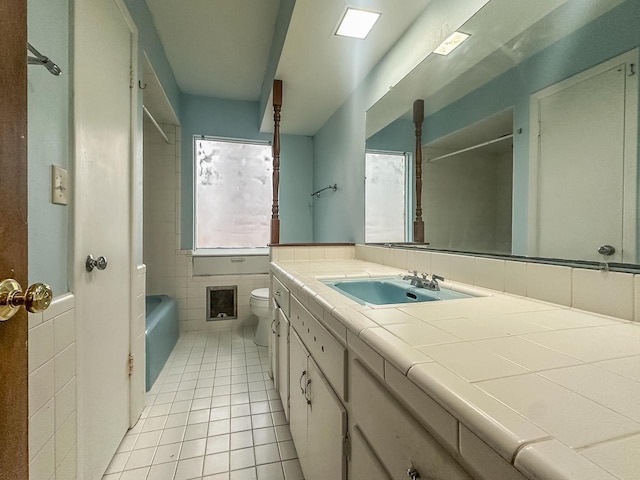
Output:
x=327 y=352
x=395 y=436
x=364 y=464
x=280 y=295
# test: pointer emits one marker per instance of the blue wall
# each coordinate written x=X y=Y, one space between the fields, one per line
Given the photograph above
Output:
x=398 y=136
x=239 y=119
x=149 y=42
x=49 y=112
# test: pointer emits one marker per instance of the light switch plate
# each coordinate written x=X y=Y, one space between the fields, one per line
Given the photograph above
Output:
x=59 y=185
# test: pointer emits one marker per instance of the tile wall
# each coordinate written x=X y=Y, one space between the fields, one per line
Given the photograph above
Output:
x=169 y=269
x=52 y=391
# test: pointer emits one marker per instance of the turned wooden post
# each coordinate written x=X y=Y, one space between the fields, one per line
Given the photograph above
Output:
x=275 y=209
x=418 y=118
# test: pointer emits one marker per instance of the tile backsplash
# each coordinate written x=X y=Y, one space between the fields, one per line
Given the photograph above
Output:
x=608 y=293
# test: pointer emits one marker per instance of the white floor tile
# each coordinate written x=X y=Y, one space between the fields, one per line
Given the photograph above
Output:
x=210 y=416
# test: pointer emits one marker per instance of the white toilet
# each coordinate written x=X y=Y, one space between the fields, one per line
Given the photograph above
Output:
x=260 y=308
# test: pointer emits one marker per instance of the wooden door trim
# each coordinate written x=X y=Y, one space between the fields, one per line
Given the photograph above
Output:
x=14 y=368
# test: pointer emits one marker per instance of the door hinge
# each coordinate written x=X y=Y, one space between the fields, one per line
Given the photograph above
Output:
x=130 y=77
x=130 y=364
x=346 y=443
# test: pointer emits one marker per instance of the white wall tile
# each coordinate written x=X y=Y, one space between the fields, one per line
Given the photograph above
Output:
x=42 y=466
x=490 y=273
x=41 y=387
x=41 y=345
x=441 y=264
x=65 y=439
x=610 y=293
x=65 y=402
x=515 y=278
x=65 y=366
x=41 y=428
x=550 y=283
x=462 y=269
x=64 y=327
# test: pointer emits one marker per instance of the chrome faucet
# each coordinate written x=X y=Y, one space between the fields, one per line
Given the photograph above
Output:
x=424 y=282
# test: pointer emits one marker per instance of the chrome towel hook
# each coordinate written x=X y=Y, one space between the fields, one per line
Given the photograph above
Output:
x=40 y=59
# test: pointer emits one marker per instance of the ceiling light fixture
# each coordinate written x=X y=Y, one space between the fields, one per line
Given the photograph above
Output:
x=357 y=23
x=451 y=43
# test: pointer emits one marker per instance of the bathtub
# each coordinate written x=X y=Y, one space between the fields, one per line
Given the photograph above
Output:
x=162 y=332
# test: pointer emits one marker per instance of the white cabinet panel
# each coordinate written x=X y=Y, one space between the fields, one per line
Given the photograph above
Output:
x=327 y=425
x=364 y=464
x=394 y=435
x=297 y=400
x=283 y=362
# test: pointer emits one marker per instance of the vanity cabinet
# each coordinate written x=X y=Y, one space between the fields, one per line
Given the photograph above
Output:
x=280 y=307
x=282 y=377
x=318 y=420
x=395 y=437
x=364 y=465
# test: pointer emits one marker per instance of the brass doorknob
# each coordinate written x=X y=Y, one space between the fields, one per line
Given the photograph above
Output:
x=36 y=299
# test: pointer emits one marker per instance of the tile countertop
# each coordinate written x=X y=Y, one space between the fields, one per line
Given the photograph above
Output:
x=554 y=390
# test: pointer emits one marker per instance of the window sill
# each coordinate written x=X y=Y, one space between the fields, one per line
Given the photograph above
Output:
x=230 y=252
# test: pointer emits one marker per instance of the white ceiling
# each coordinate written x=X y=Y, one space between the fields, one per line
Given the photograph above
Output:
x=220 y=48
x=217 y=48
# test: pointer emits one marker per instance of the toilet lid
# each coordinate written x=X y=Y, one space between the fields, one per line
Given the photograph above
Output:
x=260 y=293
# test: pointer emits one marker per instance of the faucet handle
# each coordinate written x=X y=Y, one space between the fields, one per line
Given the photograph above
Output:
x=415 y=273
x=424 y=276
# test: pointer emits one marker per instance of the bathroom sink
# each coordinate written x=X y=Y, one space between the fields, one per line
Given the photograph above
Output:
x=386 y=291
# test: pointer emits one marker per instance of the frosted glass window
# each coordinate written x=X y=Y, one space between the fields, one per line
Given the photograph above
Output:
x=233 y=194
x=386 y=197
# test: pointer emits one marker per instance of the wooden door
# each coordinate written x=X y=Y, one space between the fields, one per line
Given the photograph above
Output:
x=14 y=406
x=103 y=109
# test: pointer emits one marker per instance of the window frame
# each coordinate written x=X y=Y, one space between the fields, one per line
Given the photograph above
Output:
x=409 y=190
x=220 y=251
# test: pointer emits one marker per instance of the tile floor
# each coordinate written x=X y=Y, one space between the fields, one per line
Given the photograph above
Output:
x=213 y=414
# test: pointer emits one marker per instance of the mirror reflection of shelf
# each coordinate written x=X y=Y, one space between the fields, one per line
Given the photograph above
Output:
x=474 y=147
x=492 y=135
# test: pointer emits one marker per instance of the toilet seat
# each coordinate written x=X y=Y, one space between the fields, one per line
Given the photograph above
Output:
x=260 y=294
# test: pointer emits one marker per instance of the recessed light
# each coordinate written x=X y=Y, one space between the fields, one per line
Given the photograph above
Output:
x=357 y=23
x=451 y=43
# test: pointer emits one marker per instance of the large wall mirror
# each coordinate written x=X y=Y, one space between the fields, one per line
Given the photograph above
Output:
x=530 y=137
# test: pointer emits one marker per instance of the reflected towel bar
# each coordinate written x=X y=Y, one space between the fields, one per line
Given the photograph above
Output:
x=333 y=187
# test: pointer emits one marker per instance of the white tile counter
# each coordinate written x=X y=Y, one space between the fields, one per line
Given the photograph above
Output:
x=553 y=390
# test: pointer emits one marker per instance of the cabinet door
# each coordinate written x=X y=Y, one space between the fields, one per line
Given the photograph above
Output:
x=283 y=362
x=297 y=401
x=394 y=435
x=364 y=464
x=273 y=344
x=327 y=425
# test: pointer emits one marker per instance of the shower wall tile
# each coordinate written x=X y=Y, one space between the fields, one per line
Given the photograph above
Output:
x=52 y=391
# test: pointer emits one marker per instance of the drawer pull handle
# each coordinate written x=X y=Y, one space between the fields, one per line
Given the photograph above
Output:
x=302 y=389
x=413 y=474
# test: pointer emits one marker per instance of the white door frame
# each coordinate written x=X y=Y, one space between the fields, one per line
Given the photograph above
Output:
x=630 y=166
